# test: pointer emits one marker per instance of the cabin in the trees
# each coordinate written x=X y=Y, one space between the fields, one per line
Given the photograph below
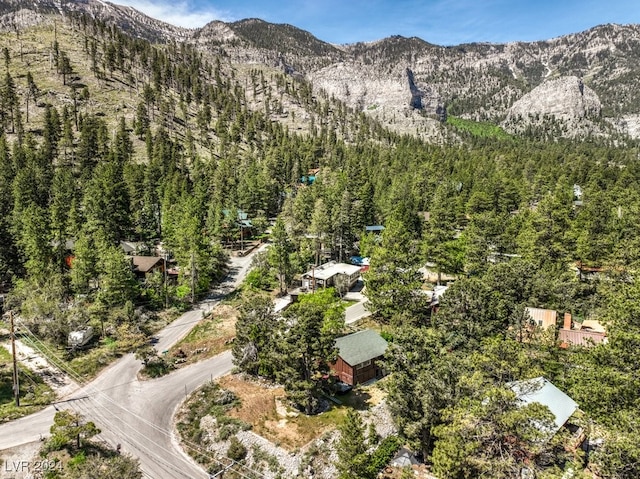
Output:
x=562 y=407
x=146 y=265
x=543 y=318
x=358 y=354
x=586 y=334
x=341 y=276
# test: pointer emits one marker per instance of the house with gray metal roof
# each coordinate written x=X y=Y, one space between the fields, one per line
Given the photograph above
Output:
x=540 y=390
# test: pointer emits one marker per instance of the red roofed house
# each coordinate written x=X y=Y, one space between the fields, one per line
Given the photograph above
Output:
x=589 y=334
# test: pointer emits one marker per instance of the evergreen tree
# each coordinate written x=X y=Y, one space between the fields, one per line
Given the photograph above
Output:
x=307 y=347
x=69 y=430
x=33 y=239
x=279 y=254
x=423 y=381
x=106 y=203
x=393 y=282
x=256 y=336
x=30 y=94
x=352 y=448
x=8 y=104
x=63 y=194
x=116 y=280
x=142 y=122
x=492 y=434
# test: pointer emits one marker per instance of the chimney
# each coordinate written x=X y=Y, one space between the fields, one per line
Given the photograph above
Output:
x=567 y=321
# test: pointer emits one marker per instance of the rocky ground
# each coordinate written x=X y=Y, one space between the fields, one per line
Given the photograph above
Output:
x=61 y=384
x=316 y=459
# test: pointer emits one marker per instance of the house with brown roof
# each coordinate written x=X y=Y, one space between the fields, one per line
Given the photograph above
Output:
x=358 y=354
x=586 y=334
x=146 y=265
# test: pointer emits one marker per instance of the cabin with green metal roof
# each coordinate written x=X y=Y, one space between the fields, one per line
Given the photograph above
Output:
x=358 y=356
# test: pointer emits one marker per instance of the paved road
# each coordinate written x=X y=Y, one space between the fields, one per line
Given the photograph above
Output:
x=138 y=414
x=355 y=312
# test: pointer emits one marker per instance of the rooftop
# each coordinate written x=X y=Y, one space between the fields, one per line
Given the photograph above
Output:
x=540 y=390
x=329 y=270
x=144 y=264
x=362 y=346
x=581 y=337
x=543 y=317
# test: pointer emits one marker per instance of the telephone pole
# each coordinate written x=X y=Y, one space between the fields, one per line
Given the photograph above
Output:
x=193 y=277
x=16 y=379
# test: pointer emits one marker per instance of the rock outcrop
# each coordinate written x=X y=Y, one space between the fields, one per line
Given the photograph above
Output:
x=566 y=98
x=406 y=82
x=562 y=107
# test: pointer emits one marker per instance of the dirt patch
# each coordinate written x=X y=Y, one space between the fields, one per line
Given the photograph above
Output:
x=52 y=376
x=376 y=394
x=258 y=402
x=211 y=336
x=265 y=409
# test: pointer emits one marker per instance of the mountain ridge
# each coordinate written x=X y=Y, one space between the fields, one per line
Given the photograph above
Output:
x=405 y=81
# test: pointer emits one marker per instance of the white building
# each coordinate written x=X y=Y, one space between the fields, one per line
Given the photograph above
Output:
x=341 y=276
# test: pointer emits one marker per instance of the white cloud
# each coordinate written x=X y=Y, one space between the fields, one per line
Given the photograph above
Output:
x=179 y=13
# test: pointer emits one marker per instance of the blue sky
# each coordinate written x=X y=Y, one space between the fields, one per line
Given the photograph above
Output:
x=442 y=22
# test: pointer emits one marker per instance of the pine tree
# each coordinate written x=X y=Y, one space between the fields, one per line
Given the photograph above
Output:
x=117 y=282
x=106 y=202
x=352 y=448
x=256 y=336
x=141 y=123
x=63 y=194
x=393 y=281
x=8 y=103
x=307 y=348
x=31 y=94
x=279 y=254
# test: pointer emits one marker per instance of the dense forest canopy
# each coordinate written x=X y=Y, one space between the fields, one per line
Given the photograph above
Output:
x=106 y=138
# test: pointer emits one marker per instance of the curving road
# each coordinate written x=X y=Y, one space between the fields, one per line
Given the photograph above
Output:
x=138 y=415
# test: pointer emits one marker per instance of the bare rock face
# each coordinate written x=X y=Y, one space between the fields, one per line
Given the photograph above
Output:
x=406 y=83
x=566 y=98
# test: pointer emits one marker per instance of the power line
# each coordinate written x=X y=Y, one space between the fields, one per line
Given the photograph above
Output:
x=67 y=369
x=100 y=415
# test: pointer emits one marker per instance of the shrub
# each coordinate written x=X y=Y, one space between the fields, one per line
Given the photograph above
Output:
x=383 y=454
x=236 y=450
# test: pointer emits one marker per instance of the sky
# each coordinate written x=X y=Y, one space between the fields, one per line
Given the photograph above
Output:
x=441 y=22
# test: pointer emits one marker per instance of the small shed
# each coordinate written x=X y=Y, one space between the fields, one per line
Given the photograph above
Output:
x=358 y=354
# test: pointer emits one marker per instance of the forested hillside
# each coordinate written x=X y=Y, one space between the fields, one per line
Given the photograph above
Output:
x=108 y=138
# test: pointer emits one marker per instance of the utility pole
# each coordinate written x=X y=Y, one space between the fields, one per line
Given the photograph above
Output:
x=16 y=379
x=166 y=293
x=193 y=278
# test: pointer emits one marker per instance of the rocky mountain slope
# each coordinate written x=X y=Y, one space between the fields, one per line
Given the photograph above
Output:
x=406 y=82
